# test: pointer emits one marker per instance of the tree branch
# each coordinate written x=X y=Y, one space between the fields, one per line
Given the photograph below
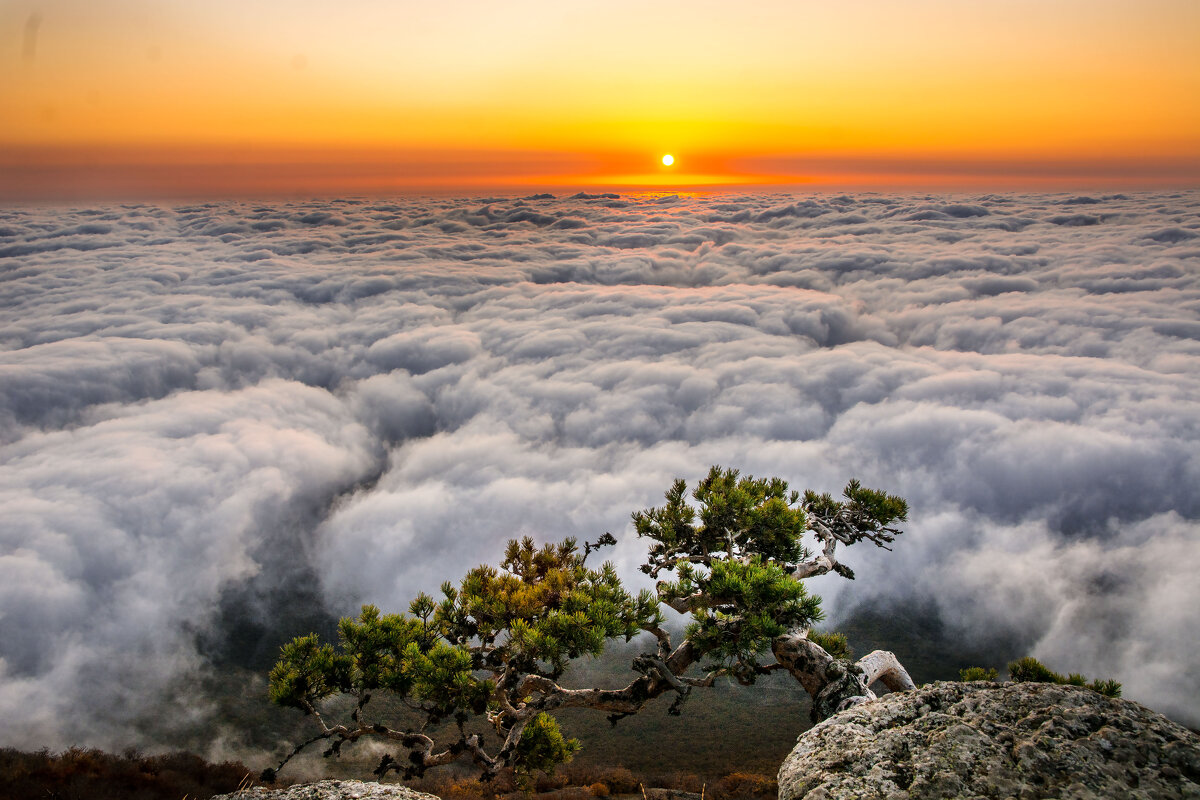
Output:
x=656 y=564
x=883 y=666
x=664 y=641
x=664 y=677
x=684 y=605
x=628 y=700
x=804 y=658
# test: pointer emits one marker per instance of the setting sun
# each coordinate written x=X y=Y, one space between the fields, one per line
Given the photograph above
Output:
x=668 y=160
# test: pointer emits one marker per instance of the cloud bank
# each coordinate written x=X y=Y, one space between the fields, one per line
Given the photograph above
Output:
x=209 y=413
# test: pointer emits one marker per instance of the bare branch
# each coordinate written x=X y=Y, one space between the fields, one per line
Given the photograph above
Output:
x=513 y=738
x=622 y=701
x=883 y=666
x=663 y=677
x=269 y=774
x=706 y=682
x=817 y=566
x=664 y=641
x=655 y=667
x=656 y=564
x=683 y=605
x=311 y=709
x=683 y=657
x=805 y=659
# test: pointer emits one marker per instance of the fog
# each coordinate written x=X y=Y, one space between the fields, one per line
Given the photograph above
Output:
x=240 y=414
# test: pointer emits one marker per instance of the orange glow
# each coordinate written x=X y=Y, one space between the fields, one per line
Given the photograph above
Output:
x=927 y=92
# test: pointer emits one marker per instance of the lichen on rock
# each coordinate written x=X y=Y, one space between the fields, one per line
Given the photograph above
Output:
x=990 y=740
x=330 y=790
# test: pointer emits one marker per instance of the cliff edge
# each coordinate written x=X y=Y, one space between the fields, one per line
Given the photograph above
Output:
x=991 y=740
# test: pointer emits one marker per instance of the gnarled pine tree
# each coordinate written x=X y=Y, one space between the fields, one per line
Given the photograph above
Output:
x=495 y=647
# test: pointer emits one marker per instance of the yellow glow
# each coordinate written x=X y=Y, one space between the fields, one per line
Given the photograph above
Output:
x=872 y=88
x=668 y=160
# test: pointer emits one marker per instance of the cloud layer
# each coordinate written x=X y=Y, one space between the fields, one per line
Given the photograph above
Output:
x=206 y=409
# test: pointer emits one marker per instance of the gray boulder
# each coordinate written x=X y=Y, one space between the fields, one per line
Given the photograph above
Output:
x=330 y=790
x=991 y=740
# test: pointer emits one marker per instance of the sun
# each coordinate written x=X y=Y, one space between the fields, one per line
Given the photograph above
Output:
x=668 y=160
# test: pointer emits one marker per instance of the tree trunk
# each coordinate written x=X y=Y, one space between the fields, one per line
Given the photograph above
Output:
x=836 y=684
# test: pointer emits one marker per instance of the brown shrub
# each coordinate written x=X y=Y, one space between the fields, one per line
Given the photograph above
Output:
x=549 y=783
x=574 y=793
x=453 y=784
x=463 y=788
x=619 y=780
x=680 y=781
x=745 y=786
x=598 y=790
x=96 y=775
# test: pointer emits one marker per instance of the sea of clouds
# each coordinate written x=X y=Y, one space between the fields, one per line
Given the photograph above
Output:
x=233 y=415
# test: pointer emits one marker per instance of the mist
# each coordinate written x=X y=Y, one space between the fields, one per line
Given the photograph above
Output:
x=229 y=423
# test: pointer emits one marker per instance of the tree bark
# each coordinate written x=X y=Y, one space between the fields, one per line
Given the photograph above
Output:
x=836 y=684
x=883 y=666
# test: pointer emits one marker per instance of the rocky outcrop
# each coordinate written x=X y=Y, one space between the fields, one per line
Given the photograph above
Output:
x=330 y=790
x=990 y=740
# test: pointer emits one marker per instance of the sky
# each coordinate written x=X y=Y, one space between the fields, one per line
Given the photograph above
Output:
x=222 y=422
x=137 y=97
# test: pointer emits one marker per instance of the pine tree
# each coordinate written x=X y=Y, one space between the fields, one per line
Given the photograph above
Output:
x=488 y=656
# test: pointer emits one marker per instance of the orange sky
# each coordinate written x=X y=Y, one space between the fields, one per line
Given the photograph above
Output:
x=212 y=97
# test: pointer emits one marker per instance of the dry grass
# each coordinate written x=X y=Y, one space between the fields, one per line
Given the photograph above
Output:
x=589 y=782
x=89 y=774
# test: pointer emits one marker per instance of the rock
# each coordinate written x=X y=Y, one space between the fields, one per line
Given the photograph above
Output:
x=330 y=790
x=670 y=794
x=991 y=740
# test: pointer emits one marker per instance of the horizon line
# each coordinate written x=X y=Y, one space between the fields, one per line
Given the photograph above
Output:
x=36 y=173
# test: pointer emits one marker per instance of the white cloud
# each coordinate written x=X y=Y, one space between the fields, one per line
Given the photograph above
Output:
x=119 y=538
x=209 y=402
